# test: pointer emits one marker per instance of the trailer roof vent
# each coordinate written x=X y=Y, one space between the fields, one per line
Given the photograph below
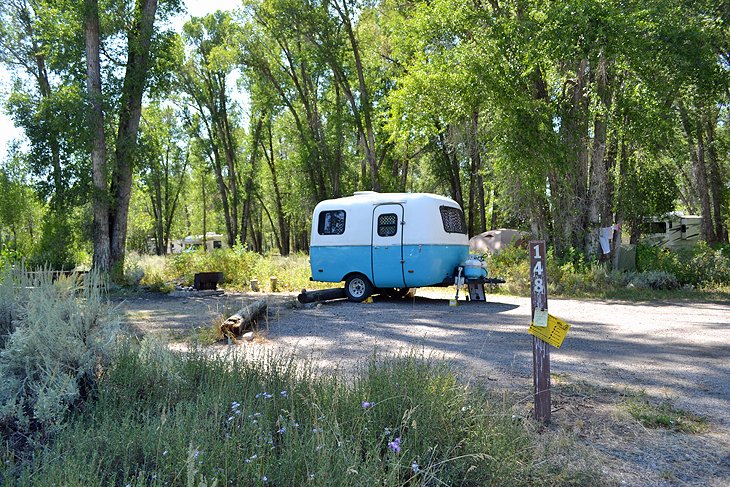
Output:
x=360 y=193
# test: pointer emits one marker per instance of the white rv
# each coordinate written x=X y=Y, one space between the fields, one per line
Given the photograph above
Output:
x=674 y=231
x=194 y=242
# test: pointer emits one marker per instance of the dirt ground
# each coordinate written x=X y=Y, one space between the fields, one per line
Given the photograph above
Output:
x=675 y=352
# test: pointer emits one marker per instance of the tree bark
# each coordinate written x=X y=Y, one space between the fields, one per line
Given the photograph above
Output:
x=476 y=191
x=280 y=217
x=598 y=191
x=249 y=181
x=100 y=202
x=715 y=176
x=694 y=132
x=138 y=45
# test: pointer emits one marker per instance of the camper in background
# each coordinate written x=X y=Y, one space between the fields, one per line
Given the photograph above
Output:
x=674 y=231
x=387 y=241
x=192 y=243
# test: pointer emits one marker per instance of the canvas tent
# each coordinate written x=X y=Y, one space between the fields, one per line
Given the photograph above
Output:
x=494 y=241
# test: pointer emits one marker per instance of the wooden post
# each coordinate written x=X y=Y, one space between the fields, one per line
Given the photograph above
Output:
x=540 y=349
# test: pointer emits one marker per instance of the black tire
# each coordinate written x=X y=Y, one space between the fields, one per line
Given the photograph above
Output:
x=358 y=288
x=397 y=293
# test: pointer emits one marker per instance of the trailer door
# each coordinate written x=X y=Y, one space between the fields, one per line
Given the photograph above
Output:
x=387 y=246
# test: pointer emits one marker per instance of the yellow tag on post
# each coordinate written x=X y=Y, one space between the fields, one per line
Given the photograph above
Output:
x=554 y=333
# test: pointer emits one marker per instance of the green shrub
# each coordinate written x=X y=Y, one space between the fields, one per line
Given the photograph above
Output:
x=512 y=265
x=700 y=265
x=659 y=269
x=658 y=280
x=56 y=248
x=56 y=337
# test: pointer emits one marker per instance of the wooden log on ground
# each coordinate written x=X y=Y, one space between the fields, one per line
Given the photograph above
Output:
x=321 y=295
x=243 y=319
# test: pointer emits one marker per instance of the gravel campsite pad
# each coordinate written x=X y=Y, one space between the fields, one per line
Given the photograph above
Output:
x=675 y=352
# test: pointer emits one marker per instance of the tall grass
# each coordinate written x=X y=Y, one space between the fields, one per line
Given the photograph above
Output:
x=164 y=419
x=238 y=266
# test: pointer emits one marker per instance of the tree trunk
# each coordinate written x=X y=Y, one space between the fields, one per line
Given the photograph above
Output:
x=476 y=196
x=171 y=206
x=281 y=219
x=495 y=211
x=100 y=202
x=249 y=181
x=568 y=188
x=598 y=191
x=138 y=45
x=695 y=137
x=450 y=163
x=715 y=176
x=205 y=205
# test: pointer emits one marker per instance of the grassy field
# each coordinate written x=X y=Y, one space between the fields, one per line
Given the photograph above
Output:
x=193 y=419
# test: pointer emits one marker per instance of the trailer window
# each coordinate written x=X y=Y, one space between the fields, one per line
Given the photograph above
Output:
x=453 y=219
x=387 y=224
x=654 y=227
x=331 y=222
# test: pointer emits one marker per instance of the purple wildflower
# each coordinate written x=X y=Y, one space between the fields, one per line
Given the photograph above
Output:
x=366 y=404
x=395 y=445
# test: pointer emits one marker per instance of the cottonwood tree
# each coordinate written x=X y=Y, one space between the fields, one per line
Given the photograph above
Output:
x=112 y=184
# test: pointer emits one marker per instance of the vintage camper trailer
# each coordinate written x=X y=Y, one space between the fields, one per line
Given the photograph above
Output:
x=676 y=230
x=387 y=241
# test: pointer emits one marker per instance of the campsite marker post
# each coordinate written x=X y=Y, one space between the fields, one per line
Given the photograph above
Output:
x=540 y=349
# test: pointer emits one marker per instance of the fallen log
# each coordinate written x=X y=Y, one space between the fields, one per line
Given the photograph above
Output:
x=321 y=295
x=244 y=319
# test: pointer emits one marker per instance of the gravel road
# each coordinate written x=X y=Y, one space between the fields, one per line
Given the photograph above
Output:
x=670 y=350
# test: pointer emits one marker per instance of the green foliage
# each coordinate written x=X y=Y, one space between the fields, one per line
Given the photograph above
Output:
x=664 y=415
x=163 y=418
x=56 y=337
x=238 y=266
x=56 y=249
x=701 y=265
x=658 y=270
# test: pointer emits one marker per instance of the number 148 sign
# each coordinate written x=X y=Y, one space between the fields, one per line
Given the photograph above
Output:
x=538 y=279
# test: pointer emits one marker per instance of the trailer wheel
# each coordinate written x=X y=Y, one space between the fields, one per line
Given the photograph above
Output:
x=358 y=288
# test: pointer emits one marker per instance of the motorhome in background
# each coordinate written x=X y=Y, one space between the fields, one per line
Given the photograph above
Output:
x=194 y=242
x=675 y=230
x=390 y=241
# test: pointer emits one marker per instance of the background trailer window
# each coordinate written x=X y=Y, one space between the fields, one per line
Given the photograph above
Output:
x=331 y=222
x=453 y=219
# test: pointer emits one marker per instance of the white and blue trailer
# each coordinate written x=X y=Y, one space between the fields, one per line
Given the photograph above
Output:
x=387 y=242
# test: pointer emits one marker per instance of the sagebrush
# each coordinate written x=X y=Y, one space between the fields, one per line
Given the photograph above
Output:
x=57 y=334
